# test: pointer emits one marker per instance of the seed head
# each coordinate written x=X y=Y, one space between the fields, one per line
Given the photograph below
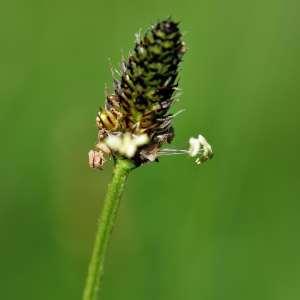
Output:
x=135 y=121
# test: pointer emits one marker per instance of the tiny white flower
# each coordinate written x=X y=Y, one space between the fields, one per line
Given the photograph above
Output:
x=199 y=148
x=126 y=144
x=114 y=142
x=199 y=144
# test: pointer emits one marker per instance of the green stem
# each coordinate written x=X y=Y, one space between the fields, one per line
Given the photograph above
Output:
x=105 y=227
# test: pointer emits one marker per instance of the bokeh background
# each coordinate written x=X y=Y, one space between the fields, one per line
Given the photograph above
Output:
x=228 y=230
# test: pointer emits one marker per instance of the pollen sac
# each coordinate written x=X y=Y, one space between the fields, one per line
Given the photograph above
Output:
x=96 y=159
x=144 y=92
x=200 y=149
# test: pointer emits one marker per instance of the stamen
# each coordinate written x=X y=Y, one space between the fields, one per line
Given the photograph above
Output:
x=174 y=150
x=199 y=148
x=170 y=153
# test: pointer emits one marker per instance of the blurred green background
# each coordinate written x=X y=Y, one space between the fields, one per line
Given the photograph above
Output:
x=226 y=231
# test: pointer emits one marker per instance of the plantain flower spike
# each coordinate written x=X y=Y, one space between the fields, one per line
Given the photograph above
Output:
x=135 y=121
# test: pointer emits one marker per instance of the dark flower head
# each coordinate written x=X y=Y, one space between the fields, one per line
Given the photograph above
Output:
x=135 y=121
x=144 y=93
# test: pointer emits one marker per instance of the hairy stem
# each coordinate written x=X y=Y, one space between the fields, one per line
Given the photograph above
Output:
x=105 y=227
